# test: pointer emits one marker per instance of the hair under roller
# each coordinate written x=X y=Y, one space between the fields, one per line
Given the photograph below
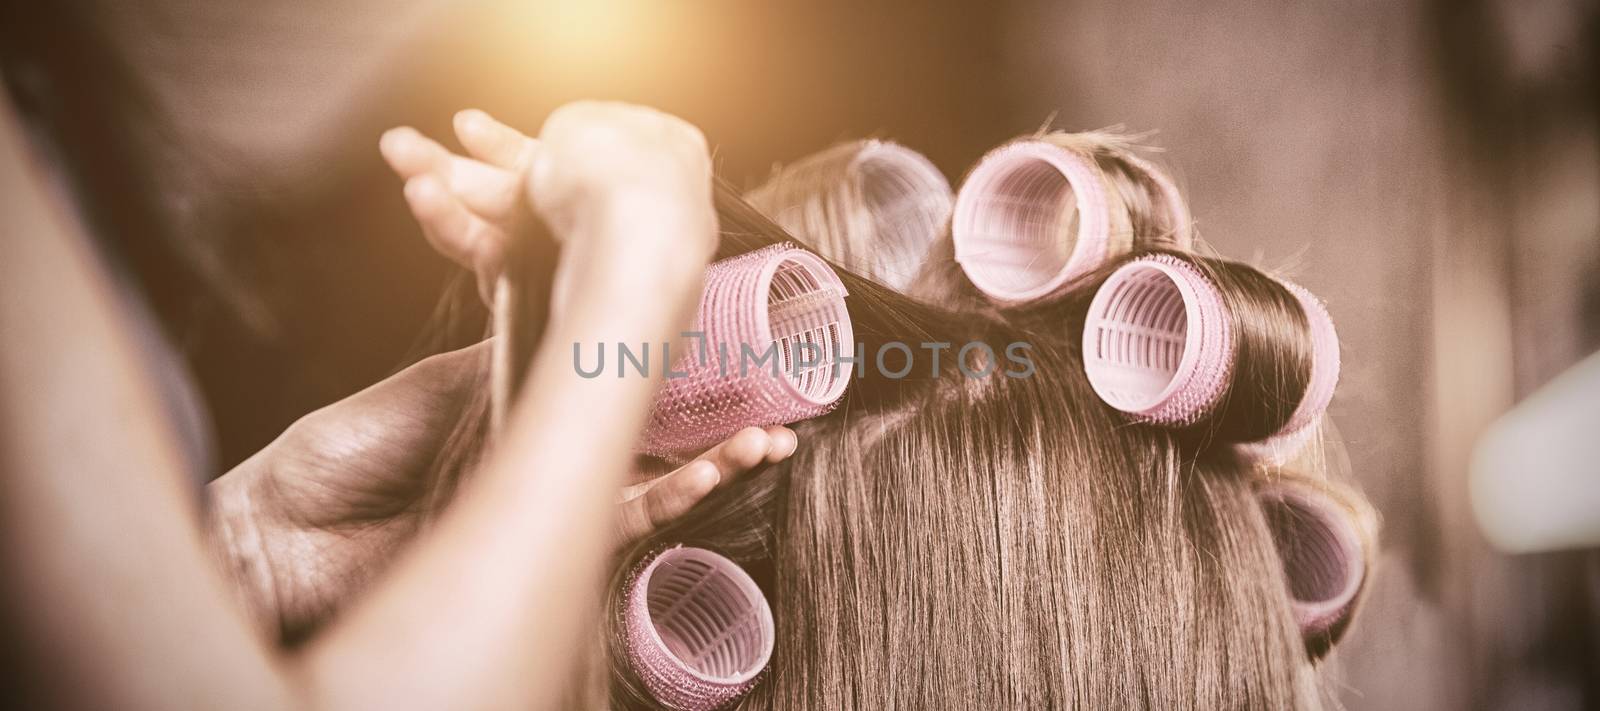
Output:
x=1280 y=449
x=1324 y=363
x=1177 y=229
x=774 y=321
x=1323 y=556
x=1161 y=343
x=1319 y=390
x=698 y=629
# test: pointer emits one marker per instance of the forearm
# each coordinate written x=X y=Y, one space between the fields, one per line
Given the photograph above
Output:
x=96 y=517
x=487 y=611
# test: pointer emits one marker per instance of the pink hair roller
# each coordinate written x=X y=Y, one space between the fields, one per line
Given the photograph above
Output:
x=1158 y=345
x=1324 y=361
x=1323 y=560
x=778 y=299
x=913 y=202
x=1012 y=223
x=1158 y=342
x=698 y=630
x=1279 y=449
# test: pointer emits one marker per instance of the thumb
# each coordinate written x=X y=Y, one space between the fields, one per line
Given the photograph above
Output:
x=405 y=416
x=438 y=386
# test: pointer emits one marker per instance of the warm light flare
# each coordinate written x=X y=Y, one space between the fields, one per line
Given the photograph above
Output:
x=600 y=43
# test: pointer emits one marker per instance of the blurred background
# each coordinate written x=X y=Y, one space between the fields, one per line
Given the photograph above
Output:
x=1430 y=167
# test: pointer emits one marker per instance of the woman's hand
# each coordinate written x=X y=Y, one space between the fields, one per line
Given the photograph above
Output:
x=468 y=207
x=484 y=611
x=590 y=173
x=656 y=500
x=519 y=557
x=307 y=522
x=618 y=173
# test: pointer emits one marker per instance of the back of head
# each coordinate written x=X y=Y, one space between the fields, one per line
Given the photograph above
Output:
x=974 y=527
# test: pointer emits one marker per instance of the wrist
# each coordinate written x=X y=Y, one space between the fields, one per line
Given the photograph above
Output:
x=641 y=244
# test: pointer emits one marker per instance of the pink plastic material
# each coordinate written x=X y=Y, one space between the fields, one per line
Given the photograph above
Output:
x=1158 y=342
x=911 y=203
x=1013 y=224
x=698 y=630
x=779 y=300
x=1324 y=361
x=1158 y=345
x=1321 y=554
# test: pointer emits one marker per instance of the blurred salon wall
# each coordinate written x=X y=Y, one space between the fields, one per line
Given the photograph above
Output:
x=1430 y=167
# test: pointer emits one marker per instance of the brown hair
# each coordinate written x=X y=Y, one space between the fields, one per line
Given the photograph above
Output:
x=948 y=541
x=1157 y=214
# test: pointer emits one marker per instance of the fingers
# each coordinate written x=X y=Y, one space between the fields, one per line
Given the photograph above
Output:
x=749 y=447
x=647 y=173
x=411 y=154
x=401 y=420
x=493 y=142
x=452 y=229
x=665 y=499
x=653 y=504
x=493 y=193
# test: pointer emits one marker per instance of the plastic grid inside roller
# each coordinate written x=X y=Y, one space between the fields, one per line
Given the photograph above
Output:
x=803 y=322
x=1157 y=342
x=1321 y=556
x=1029 y=217
x=706 y=620
x=778 y=300
x=699 y=630
x=909 y=199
